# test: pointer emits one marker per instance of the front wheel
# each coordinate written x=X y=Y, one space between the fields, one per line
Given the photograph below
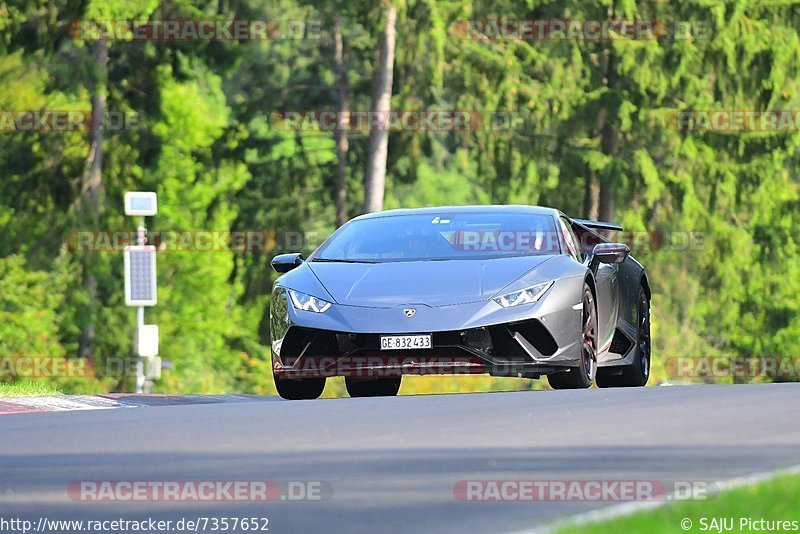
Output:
x=301 y=389
x=636 y=373
x=582 y=376
x=377 y=387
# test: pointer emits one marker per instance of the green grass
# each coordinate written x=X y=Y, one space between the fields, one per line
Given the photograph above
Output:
x=26 y=389
x=773 y=500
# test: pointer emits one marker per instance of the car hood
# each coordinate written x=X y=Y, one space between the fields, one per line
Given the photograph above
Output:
x=433 y=283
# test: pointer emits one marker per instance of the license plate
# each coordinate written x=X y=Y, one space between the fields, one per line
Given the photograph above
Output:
x=422 y=341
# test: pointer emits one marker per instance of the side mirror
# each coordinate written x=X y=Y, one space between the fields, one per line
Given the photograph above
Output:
x=283 y=263
x=611 y=252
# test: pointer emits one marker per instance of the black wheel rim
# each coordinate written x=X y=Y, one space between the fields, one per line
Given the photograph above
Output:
x=589 y=337
x=644 y=335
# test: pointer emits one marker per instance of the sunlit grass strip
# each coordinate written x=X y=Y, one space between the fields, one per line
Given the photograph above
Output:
x=26 y=389
x=772 y=501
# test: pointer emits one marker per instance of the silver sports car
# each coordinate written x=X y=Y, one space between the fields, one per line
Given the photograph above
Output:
x=506 y=290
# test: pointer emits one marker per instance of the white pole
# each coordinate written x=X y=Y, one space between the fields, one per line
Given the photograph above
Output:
x=139 y=361
x=141 y=240
x=141 y=233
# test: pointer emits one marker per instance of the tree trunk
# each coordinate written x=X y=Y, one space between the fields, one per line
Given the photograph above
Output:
x=607 y=202
x=591 y=197
x=608 y=145
x=379 y=137
x=342 y=143
x=92 y=181
x=609 y=142
x=92 y=189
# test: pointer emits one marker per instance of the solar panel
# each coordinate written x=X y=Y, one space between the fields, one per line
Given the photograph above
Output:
x=141 y=203
x=140 y=276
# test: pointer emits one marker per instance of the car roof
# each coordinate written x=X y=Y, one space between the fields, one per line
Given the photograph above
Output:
x=438 y=210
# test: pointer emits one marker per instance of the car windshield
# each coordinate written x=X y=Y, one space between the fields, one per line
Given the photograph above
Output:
x=441 y=237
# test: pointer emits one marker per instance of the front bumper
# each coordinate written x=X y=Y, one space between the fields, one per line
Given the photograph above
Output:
x=471 y=338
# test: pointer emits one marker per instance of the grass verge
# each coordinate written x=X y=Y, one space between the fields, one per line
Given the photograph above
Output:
x=742 y=510
x=26 y=389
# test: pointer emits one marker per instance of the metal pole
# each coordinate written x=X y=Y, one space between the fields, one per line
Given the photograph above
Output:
x=141 y=233
x=141 y=240
x=139 y=361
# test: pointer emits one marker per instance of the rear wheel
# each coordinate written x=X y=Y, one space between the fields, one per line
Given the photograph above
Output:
x=301 y=389
x=375 y=387
x=636 y=373
x=583 y=375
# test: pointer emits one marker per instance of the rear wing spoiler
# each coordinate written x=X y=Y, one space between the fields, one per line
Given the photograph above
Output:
x=598 y=225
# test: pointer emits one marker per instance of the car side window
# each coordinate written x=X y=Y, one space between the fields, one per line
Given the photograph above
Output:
x=570 y=239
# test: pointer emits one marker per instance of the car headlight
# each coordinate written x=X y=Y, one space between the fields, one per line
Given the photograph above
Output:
x=304 y=302
x=528 y=295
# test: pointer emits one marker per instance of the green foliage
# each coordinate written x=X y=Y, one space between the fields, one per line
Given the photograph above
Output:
x=31 y=316
x=207 y=142
x=28 y=310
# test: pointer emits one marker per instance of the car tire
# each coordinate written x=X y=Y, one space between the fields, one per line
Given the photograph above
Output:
x=637 y=373
x=301 y=389
x=583 y=375
x=375 y=387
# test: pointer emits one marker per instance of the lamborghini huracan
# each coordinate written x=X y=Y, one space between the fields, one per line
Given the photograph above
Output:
x=516 y=291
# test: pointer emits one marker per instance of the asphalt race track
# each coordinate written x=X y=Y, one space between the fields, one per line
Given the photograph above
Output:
x=392 y=463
